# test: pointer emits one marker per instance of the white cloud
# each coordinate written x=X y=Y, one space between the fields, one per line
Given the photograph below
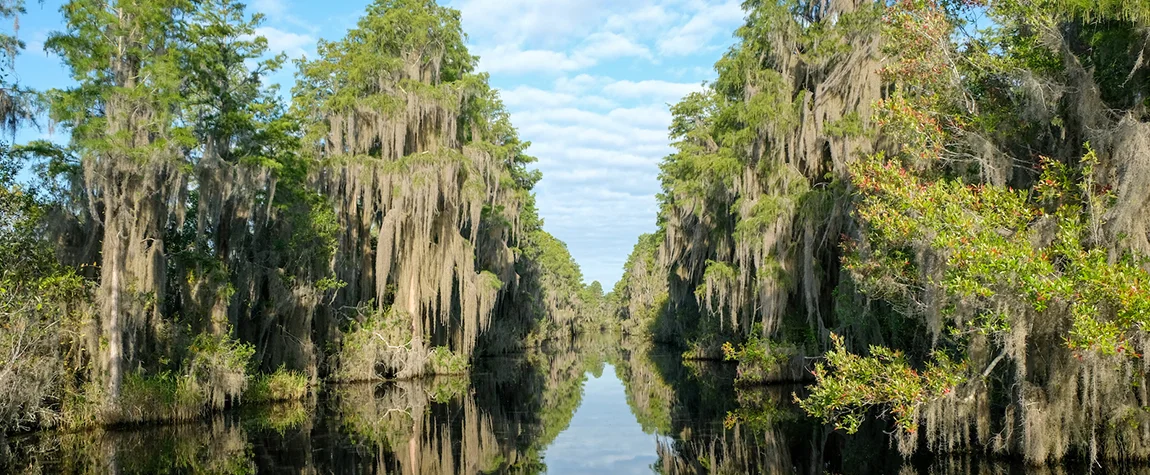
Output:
x=547 y=23
x=294 y=44
x=655 y=89
x=604 y=45
x=510 y=59
x=578 y=84
x=645 y=116
x=278 y=12
x=566 y=155
x=600 y=171
x=530 y=98
x=643 y=122
x=271 y=8
x=585 y=82
x=526 y=96
x=643 y=20
x=596 y=102
x=577 y=134
x=701 y=29
x=35 y=44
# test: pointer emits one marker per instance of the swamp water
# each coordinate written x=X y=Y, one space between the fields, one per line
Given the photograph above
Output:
x=588 y=408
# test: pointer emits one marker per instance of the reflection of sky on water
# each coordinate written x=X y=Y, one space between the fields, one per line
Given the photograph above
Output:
x=604 y=436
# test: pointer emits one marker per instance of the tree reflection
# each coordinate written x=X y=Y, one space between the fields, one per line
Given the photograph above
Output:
x=214 y=446
x=500 y=420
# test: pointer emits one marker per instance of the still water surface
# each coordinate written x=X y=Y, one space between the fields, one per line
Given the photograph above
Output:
x=587 y=408
x=603 y=436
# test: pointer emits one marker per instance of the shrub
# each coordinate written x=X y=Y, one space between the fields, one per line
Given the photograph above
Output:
x=217 y=368
x=855 y=384
x=282 y=385
x=442 y=360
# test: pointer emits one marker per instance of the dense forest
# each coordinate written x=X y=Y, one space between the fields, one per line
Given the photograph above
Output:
x=935 y=211
x=205 y=238
x=932 y=213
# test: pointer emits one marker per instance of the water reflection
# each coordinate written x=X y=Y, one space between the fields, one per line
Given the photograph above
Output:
x=603 y=436
x=214 y=446
x=708 y=426
x=593 y=406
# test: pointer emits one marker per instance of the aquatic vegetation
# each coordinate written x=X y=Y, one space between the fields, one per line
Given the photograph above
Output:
x=209 y=447
x=281 y=385
x=505 y=418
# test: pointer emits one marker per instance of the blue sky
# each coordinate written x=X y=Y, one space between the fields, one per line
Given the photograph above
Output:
x=586 y=81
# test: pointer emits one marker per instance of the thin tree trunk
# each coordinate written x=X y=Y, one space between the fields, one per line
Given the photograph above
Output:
x=112 y=326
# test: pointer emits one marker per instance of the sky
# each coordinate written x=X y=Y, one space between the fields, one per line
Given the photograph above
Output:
x=587 y=82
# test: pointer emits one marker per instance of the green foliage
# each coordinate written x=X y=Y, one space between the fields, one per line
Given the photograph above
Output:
x=985 y=189
x=281 y=385
x=565 y=304
x=192 y=216
x=641 y=294
x=848 y=385
x=757 y=412
x=211 y=353
x=166 y=396
x=442 y=360
x=41 y=301
x=149 y=75
x=552 y=255
x=995 y=262
x=214 y=373
x=758 y=356
x=281 y=417
x=346 y=74
x=644 y=251
x=365 y=340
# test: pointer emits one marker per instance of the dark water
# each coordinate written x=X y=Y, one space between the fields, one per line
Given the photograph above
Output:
x=589 y=408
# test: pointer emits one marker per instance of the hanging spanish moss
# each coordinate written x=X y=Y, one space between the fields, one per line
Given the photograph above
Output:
x=415 y=166
x=214 y=244
x=752 y=221
x=935 y=208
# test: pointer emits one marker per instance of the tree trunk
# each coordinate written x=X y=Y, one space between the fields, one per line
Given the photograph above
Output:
x=113 y=332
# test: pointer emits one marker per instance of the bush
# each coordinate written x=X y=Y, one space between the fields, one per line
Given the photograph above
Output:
x=217 y=368
x=282 y=385
x=762 y=360
x=381 y=340
x=165 y=396
x=854 y=384
x=29 y=366
x=213 y=374
x=442 y=360
x=39 y=302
